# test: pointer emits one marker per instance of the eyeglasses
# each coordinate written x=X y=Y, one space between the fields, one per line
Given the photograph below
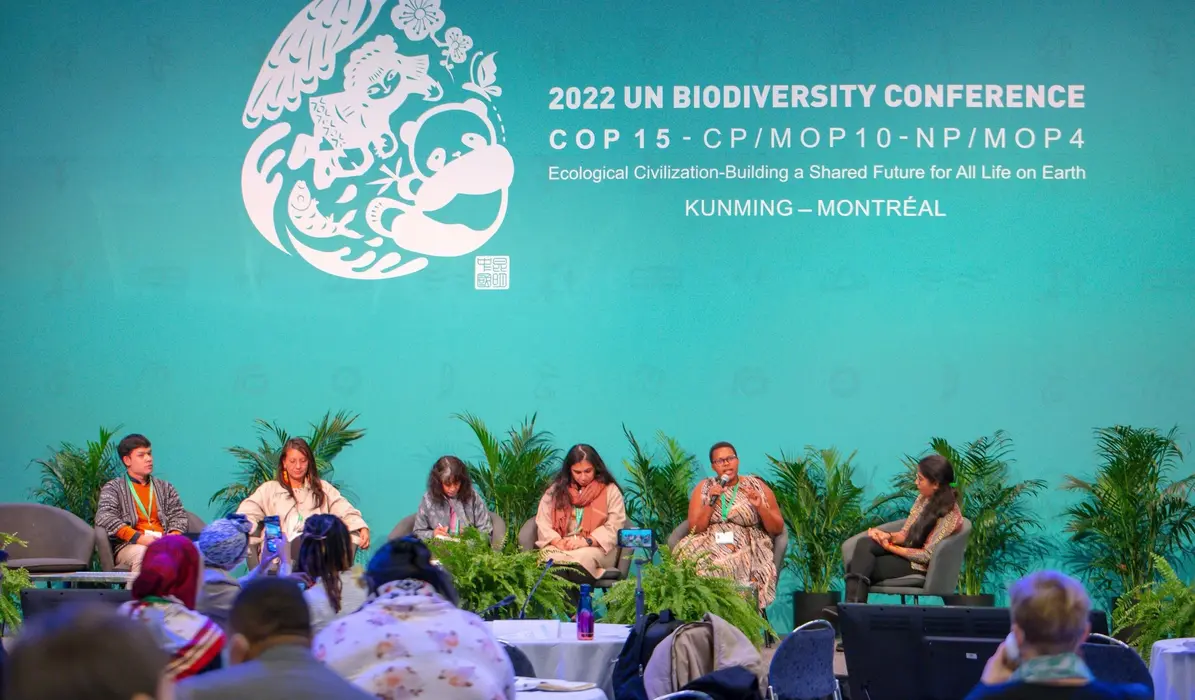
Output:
x=725 y=460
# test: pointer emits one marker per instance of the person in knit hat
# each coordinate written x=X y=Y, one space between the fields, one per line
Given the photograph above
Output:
x=164 y=597
x=225 y=545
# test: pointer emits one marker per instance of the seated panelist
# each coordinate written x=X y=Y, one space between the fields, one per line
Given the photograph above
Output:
x=298 y=493
x=581 y=513
x=137 y=509
x=935 y=515
x=732 y=520
x=450 y=504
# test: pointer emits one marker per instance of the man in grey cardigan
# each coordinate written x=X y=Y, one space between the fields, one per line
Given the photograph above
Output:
x=269 y=652
x=136 y=508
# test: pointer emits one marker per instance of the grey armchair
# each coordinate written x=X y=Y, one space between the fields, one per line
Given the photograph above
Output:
x=617 y=562
x=104 y=549
x=944 y=567
x=407 y=525
x=57 y=541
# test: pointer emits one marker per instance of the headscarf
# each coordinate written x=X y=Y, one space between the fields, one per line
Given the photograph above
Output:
x=170 y=569
x=225 y=542
x=164 y=596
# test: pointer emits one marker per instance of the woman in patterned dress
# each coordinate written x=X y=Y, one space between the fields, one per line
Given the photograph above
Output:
x=732 y=520
x=410 y=640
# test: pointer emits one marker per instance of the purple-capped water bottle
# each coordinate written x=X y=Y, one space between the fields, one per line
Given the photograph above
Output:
x=585 y=615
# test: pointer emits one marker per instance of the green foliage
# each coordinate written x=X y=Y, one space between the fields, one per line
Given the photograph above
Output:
x=674 y=584
x=659 y=486
x=1132 y=511
x=514 y=473
x=71 y=476
x=483 y=577
x=12 y=582
x=1005 y=540
x=1164 y=609
x=257 y=465
x=822 y=507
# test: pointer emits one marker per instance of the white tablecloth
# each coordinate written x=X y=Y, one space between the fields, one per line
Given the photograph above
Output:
x=1172 y=665
x=553 y=649
x=589 y=694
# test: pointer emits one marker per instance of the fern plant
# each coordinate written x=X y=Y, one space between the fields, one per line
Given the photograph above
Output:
x=659 y=485
x=1164 y=609
x=822 y=507
x=483 y=577
x=674 y=583
x=71 y=477
x=257 y=465
x=1006 y=540
x=1132 y=511
x=513 y=473
x=12 y=582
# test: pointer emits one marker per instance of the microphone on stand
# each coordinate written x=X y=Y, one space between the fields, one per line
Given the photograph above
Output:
x=547 y=565
x=500 y=604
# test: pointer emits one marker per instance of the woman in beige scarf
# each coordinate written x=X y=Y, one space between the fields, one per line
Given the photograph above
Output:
x=581 y=513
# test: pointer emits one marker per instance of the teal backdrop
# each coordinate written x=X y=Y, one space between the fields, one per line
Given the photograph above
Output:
x=139 y=290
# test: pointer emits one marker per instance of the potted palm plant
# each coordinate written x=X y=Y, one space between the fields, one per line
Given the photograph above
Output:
x=71 y=476
x=1132 y=510
x=1006 y=538
x=513 y=473
x=822 y=507
x=257 y=465
x=658 y=485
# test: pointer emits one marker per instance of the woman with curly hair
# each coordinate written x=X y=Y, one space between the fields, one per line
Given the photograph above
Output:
x=450 y=504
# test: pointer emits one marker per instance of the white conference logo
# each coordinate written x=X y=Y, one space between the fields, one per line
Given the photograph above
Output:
x=349 y=140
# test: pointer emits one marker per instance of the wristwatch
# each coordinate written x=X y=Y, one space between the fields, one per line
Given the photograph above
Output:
x=589 y=541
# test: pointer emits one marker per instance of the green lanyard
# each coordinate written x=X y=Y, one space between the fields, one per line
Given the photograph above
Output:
x=727 y=504
x=137 y=499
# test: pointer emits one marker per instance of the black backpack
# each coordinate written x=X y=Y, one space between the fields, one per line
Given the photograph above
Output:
x=645 y=636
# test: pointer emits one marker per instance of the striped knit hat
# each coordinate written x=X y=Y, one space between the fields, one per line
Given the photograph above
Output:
x=225 y=542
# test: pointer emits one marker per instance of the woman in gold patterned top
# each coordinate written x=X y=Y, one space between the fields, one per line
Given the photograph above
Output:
x=935 y=515
x=732 y=520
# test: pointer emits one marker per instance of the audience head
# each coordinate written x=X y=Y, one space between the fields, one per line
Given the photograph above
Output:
x=450 y=479
x=581 y=467
x=296 y=467
x=408 y=559
x=725 y=460
x=172 y=567
x=269 y=611
x=86 y=652
x=137 y=455
x=326 y=551
x=225 y=542
x=1050 y=614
